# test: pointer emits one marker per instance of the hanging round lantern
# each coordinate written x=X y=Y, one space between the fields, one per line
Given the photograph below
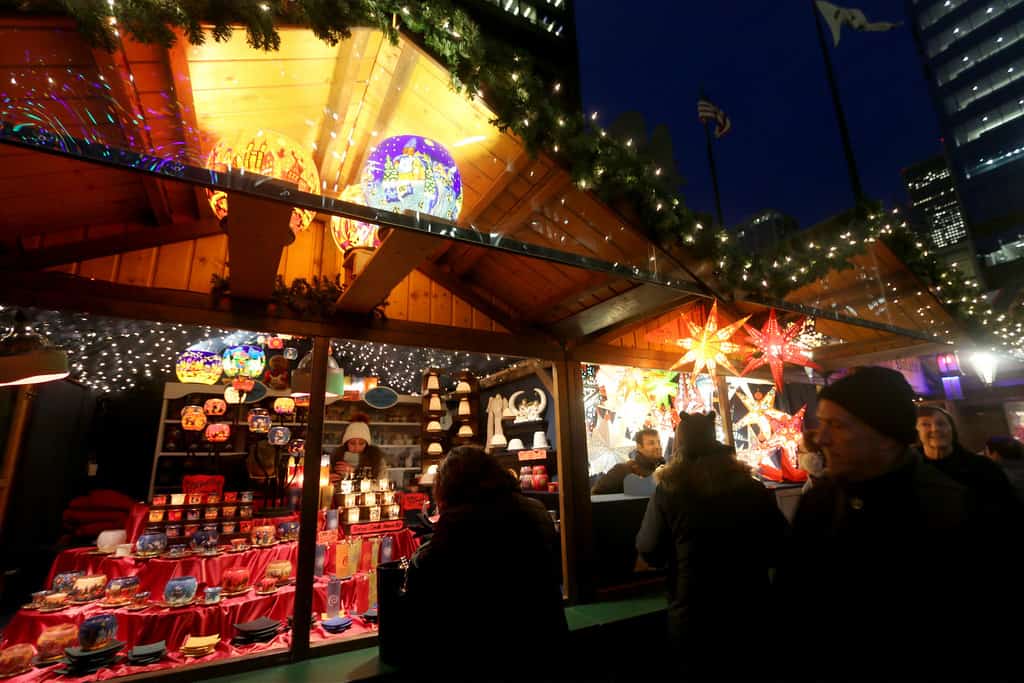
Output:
x=284 y=405
x=243 y=385
x=215 y=406
x=266 y=153
x=297 y=447
x=217 y=432
x=409 y=172
x=198 y=367
x=279 y=436
x=244 y=361
x=275 y=343
x=259 y=421
x=193 y=419
x=352 y=234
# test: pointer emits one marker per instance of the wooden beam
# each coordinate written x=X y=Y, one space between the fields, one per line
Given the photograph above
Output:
x=343 y=82
x=60 y=291
x=619 y=355
x=874 y=351
x=544 y=375
x=517 y=371
x=145 y=237
x=640 y=303
x=399 y=252
x=258 y=231
x=462 y=289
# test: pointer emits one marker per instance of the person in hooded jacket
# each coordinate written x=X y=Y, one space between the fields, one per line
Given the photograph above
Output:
x=717 y=530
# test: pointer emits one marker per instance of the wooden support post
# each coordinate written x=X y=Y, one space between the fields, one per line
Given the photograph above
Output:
x=723 y=407
x=573 y=471
x=12 y=451
x=258 y=231
x=310 y=499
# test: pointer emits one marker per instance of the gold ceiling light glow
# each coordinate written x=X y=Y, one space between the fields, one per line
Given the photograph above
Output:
x=708 y=346
x=26 y=357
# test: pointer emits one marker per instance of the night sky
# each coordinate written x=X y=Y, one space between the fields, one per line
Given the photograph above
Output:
x=760 y=62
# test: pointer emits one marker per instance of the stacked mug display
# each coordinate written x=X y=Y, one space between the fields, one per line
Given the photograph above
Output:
x=97 y=646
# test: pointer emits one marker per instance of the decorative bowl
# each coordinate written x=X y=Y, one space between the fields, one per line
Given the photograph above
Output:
x=263 y=535
x=122 y=588
x=64 y=582
x=180 y=590
x=16 y=659
x=88 y=587
x=54 y=639
x=279 y=570
x=96 y=632
x=55 y=600
x=235 y=579
x=110 y=539
x=205 y=540
x=289 y=531
x=151 y=544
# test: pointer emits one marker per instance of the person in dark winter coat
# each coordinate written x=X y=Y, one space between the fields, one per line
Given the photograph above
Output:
x=643 y=461
x=487 y=578
x=882 y=559
x=1008 y=453
x=717 y=530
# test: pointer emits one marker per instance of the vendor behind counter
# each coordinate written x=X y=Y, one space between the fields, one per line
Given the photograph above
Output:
x=357 y=452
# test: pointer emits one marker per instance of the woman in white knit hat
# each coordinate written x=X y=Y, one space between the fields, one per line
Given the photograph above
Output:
x=356 y=452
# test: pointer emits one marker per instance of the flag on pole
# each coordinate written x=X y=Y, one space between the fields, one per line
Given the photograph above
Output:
x=706 y=111
x=837 y=17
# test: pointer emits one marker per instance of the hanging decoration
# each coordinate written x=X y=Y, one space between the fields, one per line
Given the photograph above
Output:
x=774 y=347
x=413 y=173
x=353 y=234
x=244 y=361
x=266 y=153
x=215 y=406
x=761 y=411
x=709 y=346
x=198 y=367
x=689 y=398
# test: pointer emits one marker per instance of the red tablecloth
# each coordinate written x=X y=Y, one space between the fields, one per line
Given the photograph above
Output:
x=173 y=625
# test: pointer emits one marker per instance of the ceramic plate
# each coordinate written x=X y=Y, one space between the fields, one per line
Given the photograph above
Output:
x=137 y=608
x=231 y=594
x=52 y=609
x=16 y=673
x=174 y=605
x=47 y=662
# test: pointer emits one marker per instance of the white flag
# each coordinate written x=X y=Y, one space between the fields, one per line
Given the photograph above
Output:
x=837 y=17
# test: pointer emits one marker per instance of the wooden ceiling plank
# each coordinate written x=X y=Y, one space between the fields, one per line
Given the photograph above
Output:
x=610 y=317
x=400 y=252
x=466 y=292
x=339 y=95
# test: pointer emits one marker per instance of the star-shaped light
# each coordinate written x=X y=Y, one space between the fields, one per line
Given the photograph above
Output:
x=787 y=430
x=709 y=347
x=688 y=398
x=777 y=347
x=760 y=413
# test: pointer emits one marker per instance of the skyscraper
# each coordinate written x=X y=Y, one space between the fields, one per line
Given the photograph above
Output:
x=934 y=202
x=973 y=54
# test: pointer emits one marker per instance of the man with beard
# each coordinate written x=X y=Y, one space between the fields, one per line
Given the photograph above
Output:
x=642 y=462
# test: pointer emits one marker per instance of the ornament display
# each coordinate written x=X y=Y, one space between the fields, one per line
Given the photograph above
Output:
x=266 y=153
x=710 y=346
x=760 y=411
x=279 y=436
x=198 y=367
x=291 y=353
x=215 y=406
x=217 y=432
x=528 y=410
x=774 y=347
x=409 y=172
x=193 y=419
x=259 y=421
x=353 y=234
x=244 y=361
x=285 y=405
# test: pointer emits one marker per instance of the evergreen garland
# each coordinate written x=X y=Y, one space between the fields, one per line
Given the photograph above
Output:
x=531 y=108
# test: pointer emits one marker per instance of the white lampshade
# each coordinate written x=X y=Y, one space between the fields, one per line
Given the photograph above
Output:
x=434 y=449
x=434 y=405
x=432 y=383
x=465 y=431
x=464 y=408
x=434 y=426
x=985 y=364
x=463 y=388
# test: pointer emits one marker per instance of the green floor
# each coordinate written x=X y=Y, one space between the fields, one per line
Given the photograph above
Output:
x=363 y=664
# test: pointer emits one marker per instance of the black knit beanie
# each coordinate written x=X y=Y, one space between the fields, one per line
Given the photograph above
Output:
x=881 y=398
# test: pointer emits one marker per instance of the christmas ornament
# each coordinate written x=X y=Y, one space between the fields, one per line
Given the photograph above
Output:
x=760 y=412
x=409 y=172
x=353 y=234
x=708 y=346
x=266 y=153
x=786 y=434
x=777 y=347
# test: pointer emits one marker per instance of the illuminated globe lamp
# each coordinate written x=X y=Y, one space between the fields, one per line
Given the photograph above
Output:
x=285 y=405
x=195 y=366
x=244 y=362
x=351 y=234
x=269 y=154
x=215 y=407
x=302 y=380
x=193 y=419
x=413 y=173
x=279 y=436
x=217 y=432
x=259 y=420
x=297 y=448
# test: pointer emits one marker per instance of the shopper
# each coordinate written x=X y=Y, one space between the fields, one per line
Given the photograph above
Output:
x=643 y=461
x=486 y=579
x=717 y=530
x=881 y=568
x=356 y=452
x=941 y=448
x=1008 y=453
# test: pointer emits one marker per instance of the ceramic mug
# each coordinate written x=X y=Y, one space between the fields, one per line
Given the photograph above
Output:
x=123 y=550
x=235 y=579
x=140 y=598
x=267 y=585
x=96 y=632
x=54 y=639
x=15 y=659
x=180 y=590
x=211 y=596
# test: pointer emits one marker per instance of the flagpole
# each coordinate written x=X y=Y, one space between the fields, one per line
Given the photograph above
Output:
x=844 y=133
x=714 y=172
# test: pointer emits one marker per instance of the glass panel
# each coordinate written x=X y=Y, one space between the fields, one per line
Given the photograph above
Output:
x=198 y=423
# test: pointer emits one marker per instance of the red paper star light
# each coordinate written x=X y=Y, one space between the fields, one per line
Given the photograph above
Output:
x=709 y=347
x=777 y=347
x=788 y=430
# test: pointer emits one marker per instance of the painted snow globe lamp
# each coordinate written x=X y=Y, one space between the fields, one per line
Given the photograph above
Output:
x=285 y=405
x=409 y=172
x=279 y=436
x=215 y=407
x=245 y=362
x=193 y=419
x=217 y=432
x=259 y=420
x=195 y=366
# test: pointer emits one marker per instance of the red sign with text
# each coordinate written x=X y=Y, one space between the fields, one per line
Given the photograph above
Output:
x=365 y=528
x=414 y=501
x=538 y=454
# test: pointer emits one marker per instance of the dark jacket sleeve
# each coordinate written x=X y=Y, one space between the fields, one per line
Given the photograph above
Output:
x=611 y=481
x=653 y=541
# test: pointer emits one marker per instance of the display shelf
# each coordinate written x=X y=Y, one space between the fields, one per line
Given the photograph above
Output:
x=198 y=453
x=374 y=424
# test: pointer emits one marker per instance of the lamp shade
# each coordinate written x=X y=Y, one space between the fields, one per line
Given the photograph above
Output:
x=297 y=447
x=302 y=378
x=409 y=172
x=352 y=234
x=279 y=436
x=266 y=153
x=193 y=419
x=285 y=405
x=195 y=366
x=244 y=360
x=217 y=432
x=215 y=406
x=259 y=420
x=985 y=364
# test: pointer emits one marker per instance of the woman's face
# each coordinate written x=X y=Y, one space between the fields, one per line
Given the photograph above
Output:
x=935 y=432
x=356 y=445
